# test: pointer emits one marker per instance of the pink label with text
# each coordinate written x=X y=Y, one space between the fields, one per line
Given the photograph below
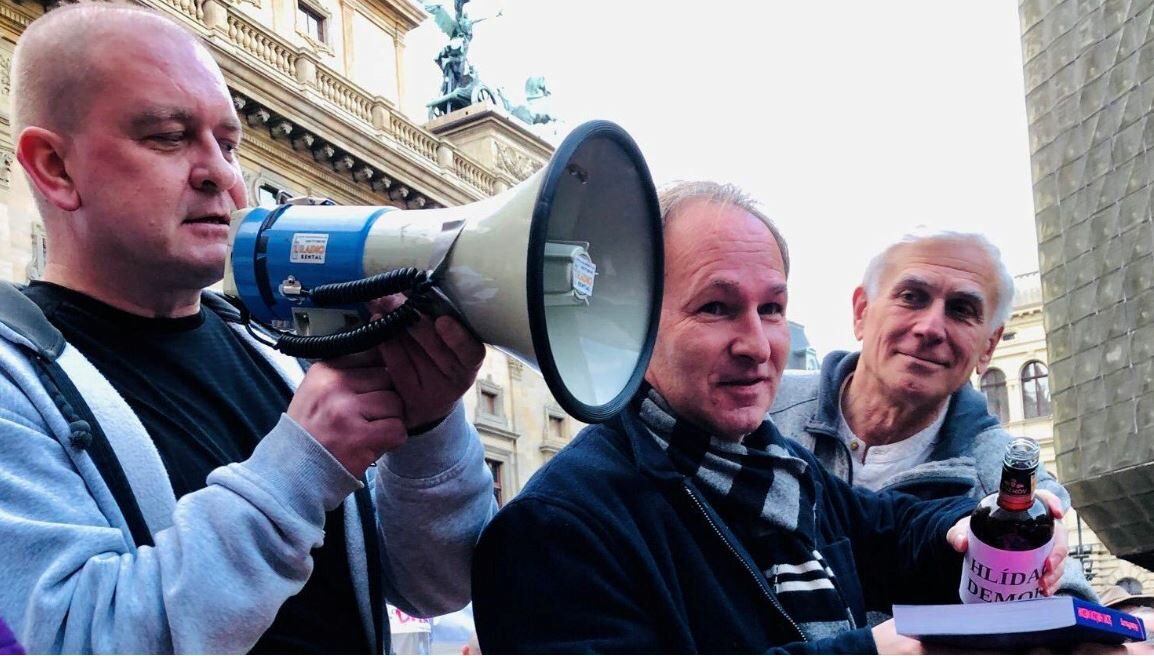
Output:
x=991 y=574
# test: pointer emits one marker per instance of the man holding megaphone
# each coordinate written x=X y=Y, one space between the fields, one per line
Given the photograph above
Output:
x=170 y=484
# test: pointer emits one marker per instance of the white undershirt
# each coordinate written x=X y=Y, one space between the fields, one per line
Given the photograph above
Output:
x=878 y=464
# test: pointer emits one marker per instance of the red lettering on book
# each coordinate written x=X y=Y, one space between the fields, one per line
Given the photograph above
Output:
x=1095 y=616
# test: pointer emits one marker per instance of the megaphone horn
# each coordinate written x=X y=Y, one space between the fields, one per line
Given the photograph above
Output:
x=563 y=271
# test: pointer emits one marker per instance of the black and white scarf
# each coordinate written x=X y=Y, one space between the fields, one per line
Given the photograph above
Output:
x=761 y=492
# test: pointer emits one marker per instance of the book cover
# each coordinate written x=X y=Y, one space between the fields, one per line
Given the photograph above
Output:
x=1016 y=624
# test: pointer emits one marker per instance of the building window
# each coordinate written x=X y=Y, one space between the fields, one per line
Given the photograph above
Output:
x=556 y=432
x=495 y=469
x=997 y=399
x=268 y=195
x=557 y=427
x=489 y=403
x=312 y=23
x=490 y=412
x=1035 y=390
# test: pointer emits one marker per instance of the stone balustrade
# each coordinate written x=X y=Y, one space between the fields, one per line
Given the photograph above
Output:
x=220 y=19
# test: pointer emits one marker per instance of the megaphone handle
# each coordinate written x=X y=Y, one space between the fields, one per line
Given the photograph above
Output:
x=314 y=347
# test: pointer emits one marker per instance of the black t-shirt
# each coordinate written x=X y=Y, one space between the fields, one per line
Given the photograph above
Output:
x=206 y=399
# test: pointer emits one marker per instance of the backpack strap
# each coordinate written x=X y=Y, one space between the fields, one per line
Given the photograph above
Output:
x=46 y=343
x=228 y=311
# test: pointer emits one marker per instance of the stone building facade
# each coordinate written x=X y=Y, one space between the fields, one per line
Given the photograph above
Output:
x=1089 y=84
x=1017 y=388
x=319 y=85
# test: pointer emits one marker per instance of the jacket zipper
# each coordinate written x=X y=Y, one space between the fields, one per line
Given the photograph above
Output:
x=841 y=447
x=758 y=578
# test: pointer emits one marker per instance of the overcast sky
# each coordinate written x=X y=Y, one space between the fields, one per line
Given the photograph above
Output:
x=850 y=121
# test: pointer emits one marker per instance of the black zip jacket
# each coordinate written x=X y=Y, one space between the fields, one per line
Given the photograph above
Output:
x=609 y=550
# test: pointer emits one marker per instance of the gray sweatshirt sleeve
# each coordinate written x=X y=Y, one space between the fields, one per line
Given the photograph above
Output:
x=213 y=582
x=433 y=496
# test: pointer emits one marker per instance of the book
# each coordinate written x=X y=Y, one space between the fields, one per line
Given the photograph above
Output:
x=1047 y=621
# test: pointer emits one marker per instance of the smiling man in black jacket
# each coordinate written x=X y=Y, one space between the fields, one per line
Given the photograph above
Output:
x=688 y=523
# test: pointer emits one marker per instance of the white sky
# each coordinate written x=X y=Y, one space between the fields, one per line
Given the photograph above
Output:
x=850 y=121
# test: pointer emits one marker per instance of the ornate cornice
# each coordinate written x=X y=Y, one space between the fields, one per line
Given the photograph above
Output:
x=327 y=158
x=14 y=18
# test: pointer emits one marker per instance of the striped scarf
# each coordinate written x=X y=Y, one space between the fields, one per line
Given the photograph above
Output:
x=764 y=497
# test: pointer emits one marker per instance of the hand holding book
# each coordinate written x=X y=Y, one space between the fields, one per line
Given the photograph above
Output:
x=1054 y=622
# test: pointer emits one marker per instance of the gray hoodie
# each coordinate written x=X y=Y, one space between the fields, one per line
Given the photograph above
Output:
x=226 y=557
x=966 y=460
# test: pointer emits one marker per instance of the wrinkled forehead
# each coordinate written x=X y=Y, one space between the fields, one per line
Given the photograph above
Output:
x=953 y=265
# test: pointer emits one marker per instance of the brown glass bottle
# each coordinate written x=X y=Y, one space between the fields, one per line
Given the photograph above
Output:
x=1010 y=534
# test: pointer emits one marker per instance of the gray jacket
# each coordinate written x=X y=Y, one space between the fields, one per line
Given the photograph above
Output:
x=226 y=557
x=967 y=459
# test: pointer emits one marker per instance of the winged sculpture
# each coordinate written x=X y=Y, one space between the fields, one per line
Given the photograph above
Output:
x=461 y=84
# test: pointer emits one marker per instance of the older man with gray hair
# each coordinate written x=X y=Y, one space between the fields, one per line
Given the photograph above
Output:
x=900 y=414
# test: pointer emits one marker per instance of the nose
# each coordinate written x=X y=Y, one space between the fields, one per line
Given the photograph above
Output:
x=750 y=341
x=930 y=325
x=212 y=171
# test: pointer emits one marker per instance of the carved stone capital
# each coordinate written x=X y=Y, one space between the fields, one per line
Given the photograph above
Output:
x=280 y=129
x=324 y=153
x=304 y=142
x=258 y=118
x=381 y=184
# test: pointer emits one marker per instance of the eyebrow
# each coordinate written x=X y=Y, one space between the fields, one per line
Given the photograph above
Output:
x=728 y=285
x=150 y=118
x=922 y=283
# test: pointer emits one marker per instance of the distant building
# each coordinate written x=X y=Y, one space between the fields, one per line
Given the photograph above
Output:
x=1089 y=84
x=1017 y=388
x=801 y=354
x=318 y=84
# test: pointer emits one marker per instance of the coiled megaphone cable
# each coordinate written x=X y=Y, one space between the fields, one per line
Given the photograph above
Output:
x=411 y=281
x=351 y=341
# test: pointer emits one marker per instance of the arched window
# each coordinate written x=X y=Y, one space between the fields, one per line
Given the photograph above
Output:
x=1035 y=390
x=997 y=399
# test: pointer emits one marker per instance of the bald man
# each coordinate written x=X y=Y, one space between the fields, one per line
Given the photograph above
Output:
x=168 y=483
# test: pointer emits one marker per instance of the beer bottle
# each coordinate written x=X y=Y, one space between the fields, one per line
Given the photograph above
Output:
x=1011 y=533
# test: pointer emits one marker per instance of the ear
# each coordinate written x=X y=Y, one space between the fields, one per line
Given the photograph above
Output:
x=41 y=153
x=860 y=304
x=988 y=354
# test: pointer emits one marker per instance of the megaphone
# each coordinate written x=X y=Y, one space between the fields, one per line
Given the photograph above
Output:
x=563 y=271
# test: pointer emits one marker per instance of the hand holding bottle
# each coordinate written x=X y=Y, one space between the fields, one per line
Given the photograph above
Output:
x=958 y=537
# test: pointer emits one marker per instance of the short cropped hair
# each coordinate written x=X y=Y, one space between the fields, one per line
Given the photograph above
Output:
x=676 y=194
x=54 y=67
x=871 y=281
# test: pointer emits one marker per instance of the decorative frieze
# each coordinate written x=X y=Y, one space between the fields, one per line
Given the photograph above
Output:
x=284 y=130
x=6 y=159
x=513 y=162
